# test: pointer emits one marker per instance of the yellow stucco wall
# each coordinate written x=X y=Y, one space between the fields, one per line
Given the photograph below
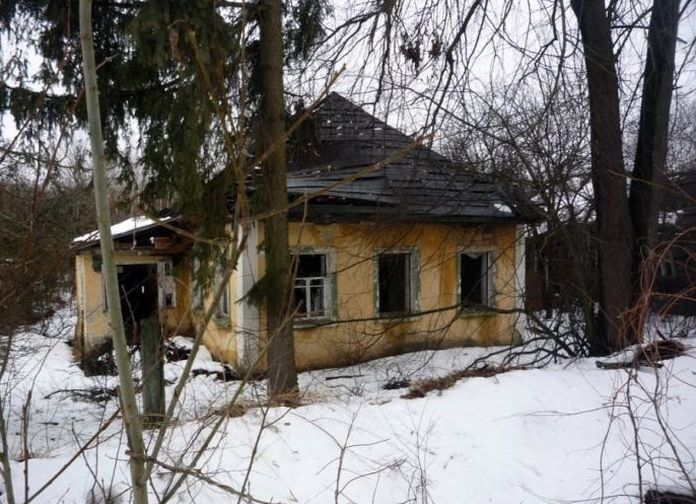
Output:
x=358 y=335
x=219 y=336
x=178 y=320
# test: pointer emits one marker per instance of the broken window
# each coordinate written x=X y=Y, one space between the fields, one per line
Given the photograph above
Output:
x=167 y=284
x=394 y=283
x=311 y=286
x=475 y=279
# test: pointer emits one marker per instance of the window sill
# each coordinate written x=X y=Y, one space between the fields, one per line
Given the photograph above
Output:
x=477 y=311
x=398 y=317
x=222 y=321
x=311 y=323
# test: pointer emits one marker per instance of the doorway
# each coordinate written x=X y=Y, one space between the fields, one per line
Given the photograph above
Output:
x=137 y=284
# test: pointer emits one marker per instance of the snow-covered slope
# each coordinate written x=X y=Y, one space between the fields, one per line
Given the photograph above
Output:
x=559 y=434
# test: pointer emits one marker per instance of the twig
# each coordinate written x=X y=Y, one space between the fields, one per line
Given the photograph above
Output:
x=72 y=459
x=254 y=451
x=25 y=443
x=188 y=471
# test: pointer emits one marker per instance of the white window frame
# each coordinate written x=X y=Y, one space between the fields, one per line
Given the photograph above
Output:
x=488 y=270
x=166 y=285
x=412 y=282
x=327 y=285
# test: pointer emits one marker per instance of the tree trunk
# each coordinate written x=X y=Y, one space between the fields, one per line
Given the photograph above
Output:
x=5 y=457
x=282 y=376
x=651 y=153
x=101 y=195
x=609 y=178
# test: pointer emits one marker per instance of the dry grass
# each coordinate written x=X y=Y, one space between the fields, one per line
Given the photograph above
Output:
x=659 y=351
x=422 y=387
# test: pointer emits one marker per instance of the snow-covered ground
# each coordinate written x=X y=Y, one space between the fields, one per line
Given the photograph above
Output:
x=564 y=433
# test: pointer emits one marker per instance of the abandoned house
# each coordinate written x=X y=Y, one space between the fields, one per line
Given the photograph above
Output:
x=414 y=254
x=562 y=268
x=674 y=287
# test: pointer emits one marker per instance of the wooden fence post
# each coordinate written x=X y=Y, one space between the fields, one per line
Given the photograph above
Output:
x=152 y=356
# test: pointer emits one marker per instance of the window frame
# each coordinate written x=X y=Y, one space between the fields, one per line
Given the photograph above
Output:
x=328 y=285
x=223 y=310
x=166 y=285
x=413 y=282
x=491 y=287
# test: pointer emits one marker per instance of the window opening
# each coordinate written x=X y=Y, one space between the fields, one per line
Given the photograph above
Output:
x=394 y=283
x=475 y=279
x=310 y=286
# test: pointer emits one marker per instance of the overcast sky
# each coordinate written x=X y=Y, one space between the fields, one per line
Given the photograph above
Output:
x=484 y=60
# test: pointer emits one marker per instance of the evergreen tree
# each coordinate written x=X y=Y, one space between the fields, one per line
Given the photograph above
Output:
x=173 y=79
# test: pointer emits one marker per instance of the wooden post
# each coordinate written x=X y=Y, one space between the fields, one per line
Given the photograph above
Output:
x=151 y=354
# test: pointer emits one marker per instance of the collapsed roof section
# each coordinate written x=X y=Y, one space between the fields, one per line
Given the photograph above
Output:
x=127 y=227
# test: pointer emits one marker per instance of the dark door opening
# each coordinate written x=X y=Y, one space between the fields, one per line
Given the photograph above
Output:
x=137 y=284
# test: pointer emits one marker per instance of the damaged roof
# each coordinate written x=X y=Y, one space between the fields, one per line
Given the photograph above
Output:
x=119 y=230
x=346 y=143
x=134 y=233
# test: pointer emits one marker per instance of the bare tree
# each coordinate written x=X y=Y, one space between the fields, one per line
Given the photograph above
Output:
x=538 y=145
x=648 y=175
x=623 y=231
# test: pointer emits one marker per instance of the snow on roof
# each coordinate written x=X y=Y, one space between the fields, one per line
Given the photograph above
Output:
x=122 y=228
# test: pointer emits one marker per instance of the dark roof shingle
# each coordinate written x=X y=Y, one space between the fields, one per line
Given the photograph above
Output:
x=422 y=184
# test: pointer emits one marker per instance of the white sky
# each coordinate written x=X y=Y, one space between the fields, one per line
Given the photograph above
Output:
x=490 y=65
